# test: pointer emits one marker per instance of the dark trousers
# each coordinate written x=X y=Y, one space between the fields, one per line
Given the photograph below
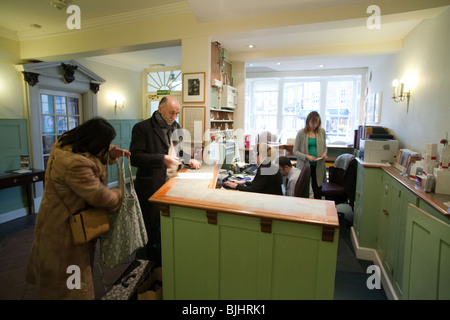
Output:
x=316 y=189
x=150 y=213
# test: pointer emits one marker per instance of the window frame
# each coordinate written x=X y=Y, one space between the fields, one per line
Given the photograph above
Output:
x=54 y=115
x=358 y=76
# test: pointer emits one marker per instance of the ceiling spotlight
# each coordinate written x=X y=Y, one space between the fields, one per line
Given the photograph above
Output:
x=251 y=46
x=61 y=4
x=157 y=65
x=321 y=66
x=279 y=63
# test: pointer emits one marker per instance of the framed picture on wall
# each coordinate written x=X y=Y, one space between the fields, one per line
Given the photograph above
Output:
x=194 y=87
x=373 y=108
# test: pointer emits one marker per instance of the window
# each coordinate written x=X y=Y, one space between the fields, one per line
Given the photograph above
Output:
x=161 y=82
x=339 y=108
x=164 y=80
x=280 y=105
x=59 y=113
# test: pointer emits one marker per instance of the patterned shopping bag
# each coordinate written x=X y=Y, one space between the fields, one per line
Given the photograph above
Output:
x=127 y=230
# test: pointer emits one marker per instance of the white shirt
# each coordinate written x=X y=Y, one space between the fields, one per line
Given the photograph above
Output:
x=292 y=178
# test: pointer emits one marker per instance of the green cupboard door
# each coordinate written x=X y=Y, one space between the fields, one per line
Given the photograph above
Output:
x=392 y=232
x=427 y=257
x=383 y=217
x=358 y=198
x=405 y=199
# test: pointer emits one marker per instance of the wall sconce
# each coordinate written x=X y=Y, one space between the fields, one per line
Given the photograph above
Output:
x=119 y=103
x=118 y=100
x=403 y=94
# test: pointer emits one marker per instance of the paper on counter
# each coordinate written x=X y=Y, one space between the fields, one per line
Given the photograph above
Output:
x=195 y=175
x=22 y=171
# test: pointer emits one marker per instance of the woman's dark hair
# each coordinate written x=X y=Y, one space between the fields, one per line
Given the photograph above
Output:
x=94 y=136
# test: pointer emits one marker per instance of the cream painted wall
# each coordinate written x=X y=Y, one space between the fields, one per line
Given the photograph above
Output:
x=196 y=57
x=239 y=83
x=424 y=57
x=11 y=82
x=119 y=82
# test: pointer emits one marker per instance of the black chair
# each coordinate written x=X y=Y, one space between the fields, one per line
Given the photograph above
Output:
x=302 y=186
x=341 y=185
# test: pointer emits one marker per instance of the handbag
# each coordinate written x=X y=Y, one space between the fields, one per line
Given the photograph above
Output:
x=127 y=229
x=86 y=224
x=89 y=224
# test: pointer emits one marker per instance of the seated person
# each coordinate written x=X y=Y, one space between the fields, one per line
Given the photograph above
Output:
x=267 y=180
x=291 y=173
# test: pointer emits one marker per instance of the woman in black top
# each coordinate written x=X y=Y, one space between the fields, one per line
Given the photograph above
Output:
x=267 y=179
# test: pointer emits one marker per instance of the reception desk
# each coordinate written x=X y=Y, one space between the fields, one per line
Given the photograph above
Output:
x=227 y=244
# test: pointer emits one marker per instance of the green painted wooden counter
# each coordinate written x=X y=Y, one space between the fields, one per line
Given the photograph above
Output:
x=227 y=244
x=403 y=230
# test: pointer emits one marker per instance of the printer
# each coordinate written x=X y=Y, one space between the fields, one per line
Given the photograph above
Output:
x=378 y=151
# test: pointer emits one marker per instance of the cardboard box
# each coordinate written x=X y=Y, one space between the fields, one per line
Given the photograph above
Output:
x=442 y=181
x=152 y=288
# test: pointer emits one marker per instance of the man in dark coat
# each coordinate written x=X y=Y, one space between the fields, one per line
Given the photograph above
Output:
x=151 y=148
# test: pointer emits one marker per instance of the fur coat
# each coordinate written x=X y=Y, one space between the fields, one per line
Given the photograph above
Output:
x=72 y=181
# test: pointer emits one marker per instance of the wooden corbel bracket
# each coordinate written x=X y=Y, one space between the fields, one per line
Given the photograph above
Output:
x=327 y=234
x=212 y=216
x=266 y=225
x=164 y=209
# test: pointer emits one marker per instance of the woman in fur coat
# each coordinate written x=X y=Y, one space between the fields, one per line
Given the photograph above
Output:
x=75 y=178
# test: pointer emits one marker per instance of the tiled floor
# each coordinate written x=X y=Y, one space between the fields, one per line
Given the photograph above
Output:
x=16 y=237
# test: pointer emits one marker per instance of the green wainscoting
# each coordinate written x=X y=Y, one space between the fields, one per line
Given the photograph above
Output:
x=14 y=143
x=14 y=134
x=122 y=140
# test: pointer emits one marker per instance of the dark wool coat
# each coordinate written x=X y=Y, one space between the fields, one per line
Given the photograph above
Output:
x=148 y=146
x=79 y=181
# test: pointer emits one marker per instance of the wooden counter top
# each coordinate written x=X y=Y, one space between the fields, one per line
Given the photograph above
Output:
x=201 y=193
x=433 y=199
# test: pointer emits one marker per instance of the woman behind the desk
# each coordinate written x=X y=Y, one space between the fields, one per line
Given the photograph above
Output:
x=267 y=179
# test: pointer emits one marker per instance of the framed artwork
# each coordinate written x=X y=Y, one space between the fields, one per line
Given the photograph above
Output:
x=193 y=120
x=194 y=87
x=373 y=108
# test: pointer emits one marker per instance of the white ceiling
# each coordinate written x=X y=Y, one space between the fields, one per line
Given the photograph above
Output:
x=18 y=18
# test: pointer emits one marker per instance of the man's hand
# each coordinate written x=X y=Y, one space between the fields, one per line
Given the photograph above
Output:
x=170 y=161
x=194 y=164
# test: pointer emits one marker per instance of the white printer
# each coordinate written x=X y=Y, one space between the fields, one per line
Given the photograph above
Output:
x=378 y=150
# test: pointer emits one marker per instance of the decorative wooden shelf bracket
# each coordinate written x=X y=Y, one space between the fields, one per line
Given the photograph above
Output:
x=266 y=225
x=328 y=234
x=212 y=217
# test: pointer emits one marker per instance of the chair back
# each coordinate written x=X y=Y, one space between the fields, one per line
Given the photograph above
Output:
x=336 y=175
x=302 y=185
